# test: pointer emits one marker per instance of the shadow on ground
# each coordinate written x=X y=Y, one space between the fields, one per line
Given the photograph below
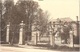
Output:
x=46 y=47
x=58 y=48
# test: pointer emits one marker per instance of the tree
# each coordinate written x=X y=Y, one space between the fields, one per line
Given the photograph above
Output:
x=2 y=23
x=7 y=15
x=8 y=4
x=42 y=20
x=27 y=11
x=0 y=16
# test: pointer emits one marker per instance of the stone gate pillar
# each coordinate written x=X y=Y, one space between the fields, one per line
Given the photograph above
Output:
x=21 y=33
x=52 y=40
x=71 y=39
x=7 y=32
x=52 y=37
x=35 y=34
x=34 y=38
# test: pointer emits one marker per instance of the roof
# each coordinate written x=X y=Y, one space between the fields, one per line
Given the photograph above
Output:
x=67 y=19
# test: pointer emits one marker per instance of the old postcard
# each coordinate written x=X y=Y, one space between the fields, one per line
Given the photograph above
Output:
x=39 y=26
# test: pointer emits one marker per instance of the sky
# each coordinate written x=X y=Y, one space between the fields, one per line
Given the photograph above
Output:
x=60 y=8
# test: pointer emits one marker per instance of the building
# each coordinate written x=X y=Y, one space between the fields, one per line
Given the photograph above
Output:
x=74 y=25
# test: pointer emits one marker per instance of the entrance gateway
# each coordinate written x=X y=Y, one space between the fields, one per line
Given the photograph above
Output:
x=37 y=38
x=50 y=38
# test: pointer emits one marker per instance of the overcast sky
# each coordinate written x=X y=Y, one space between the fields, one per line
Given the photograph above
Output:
x=60 y=8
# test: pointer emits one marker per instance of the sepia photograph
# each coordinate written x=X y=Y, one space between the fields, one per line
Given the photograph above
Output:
x=39 y=26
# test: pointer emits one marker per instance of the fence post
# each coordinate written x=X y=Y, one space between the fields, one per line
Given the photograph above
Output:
x=7 y=32
x=21 y=33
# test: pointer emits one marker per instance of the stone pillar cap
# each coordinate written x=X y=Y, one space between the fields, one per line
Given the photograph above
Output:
x=8 y=24
x=22 y=23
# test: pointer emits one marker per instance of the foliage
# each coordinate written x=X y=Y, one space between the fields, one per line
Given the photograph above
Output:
x=27 y=11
